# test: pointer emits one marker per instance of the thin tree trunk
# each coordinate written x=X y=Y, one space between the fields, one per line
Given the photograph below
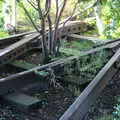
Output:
x=44 y=44
x=14 y=11
x=56 y=25
x=99 y=22
x=50 y=34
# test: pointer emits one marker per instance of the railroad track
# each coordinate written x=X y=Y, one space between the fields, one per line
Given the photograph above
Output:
x=26 y=43
x=16 y=45
x=87 y=98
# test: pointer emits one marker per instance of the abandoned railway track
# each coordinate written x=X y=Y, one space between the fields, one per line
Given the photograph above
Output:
x=101 y=79
x=80 y=105
x=25 y=44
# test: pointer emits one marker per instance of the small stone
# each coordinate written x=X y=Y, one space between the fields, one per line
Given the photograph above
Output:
x=46 y=92
x=65 y=99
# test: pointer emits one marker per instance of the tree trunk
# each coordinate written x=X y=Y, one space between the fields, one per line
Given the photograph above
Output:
x=99 y=22
x=14 y=13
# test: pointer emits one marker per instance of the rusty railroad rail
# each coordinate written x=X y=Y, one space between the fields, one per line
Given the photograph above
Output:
x=87 y=98
x=81 y=105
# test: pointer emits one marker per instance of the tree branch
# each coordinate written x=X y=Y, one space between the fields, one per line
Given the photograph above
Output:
x=47 y=7
x=32 y=4
x=69 y=18
x=27 y=13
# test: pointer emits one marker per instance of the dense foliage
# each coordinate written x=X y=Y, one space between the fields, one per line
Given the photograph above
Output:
x=112 y=16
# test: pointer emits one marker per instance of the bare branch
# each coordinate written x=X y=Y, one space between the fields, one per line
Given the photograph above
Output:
x=27 y=13
x=61 y=11
x=32 y=4
x=57 y=9
x=69 y=18
x=47 y=7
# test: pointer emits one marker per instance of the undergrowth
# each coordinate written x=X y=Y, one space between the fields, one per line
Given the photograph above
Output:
x=3 y=34
x=115 y=114
x=83 y=70
x=88 y=66
x=74 y=47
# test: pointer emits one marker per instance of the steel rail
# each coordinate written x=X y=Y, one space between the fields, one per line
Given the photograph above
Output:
x=87 y=98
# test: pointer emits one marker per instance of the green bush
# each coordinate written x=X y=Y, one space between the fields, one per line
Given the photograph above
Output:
x=3 y=34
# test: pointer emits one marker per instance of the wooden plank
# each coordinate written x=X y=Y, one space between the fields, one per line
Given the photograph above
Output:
x=22 y=64
x=10 y=83
x=13 y=51
x=22 y=101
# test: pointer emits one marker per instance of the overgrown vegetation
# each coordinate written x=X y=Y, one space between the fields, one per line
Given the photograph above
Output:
x=112 y=28
x=82 y=71
x=116 y=112
x=107 y=117
x=77 y=73
x=88 y=66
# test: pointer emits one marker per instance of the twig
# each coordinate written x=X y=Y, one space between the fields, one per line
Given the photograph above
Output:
x=27 y=13
x=32 y=4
